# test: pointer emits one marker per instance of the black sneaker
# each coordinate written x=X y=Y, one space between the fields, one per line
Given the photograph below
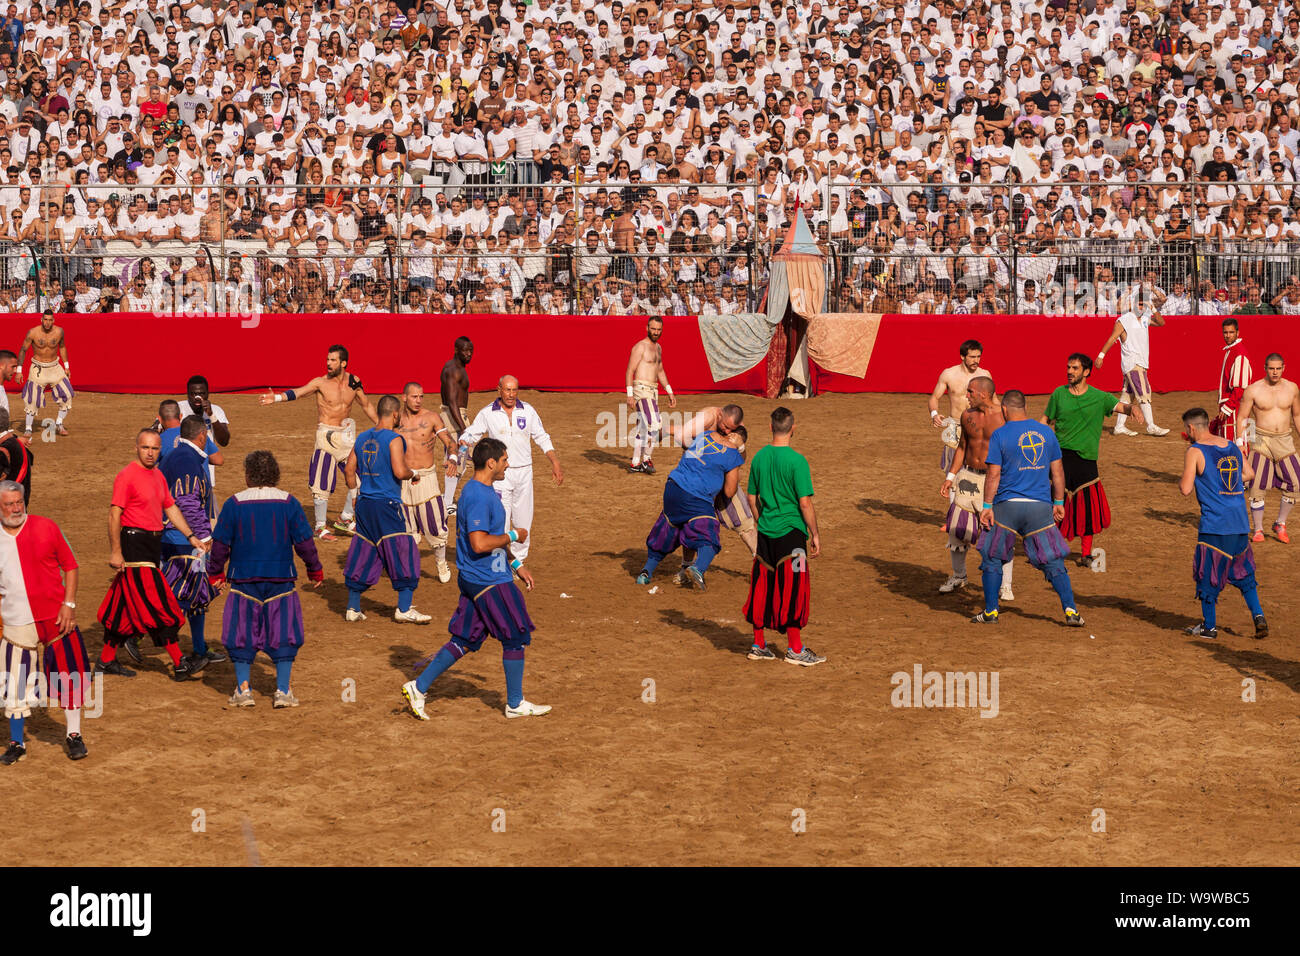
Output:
x=647 y=467
x=634 y=469
x=181 y=672
x=217 y=657
x=985 y=617
x=1073 y=619
x=76 y=747
x=15 y=753
x=114 y=667
x=1200 y=630
x=132 y=648
x=1261 y=627
x=196 y=664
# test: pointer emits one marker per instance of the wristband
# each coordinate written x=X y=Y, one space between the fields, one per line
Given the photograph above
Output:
x=987 y=507
x=513 y=535
x=668 y=389
x=289 y=395
x=629 y=391
x=279 y=397
x=933 y=413
x=1101 y=355
x=1058 y=501
x=515 y=564
x=951 y=476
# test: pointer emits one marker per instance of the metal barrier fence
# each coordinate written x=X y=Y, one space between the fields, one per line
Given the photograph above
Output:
x=591 y=247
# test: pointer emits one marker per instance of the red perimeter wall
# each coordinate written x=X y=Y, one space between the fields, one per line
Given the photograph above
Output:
x=127 y=352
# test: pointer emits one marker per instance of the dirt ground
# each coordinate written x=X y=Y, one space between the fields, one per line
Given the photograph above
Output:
x=1128 y=715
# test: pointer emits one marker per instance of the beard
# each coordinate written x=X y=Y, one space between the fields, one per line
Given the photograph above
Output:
x=13 y=521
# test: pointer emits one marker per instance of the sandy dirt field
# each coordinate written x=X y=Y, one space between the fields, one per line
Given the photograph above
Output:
x=1127 y=715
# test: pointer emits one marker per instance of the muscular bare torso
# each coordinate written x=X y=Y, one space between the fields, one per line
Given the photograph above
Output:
x=455 y=387
x=649 y=361
x=1272 y=406
x=956 y=379
x=334 y=398
x=977 y=426
x=45 y=345
x=420 y=432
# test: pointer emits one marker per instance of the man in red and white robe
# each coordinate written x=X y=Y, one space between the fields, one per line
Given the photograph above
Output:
x=1234 y=375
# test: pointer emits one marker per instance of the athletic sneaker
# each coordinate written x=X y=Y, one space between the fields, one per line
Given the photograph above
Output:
x=242 y=698
x=132 y=648
x=414 y=699
x=643 y=577
x=181 y=672
x=1006 y=594
x=15 y=753
x=351 y=615
x=805 y=658
x=1200 y=630
x=953 y=583
x=325 y=534
x=1073 y=618
x=411 y=616
x=1124 y=430
x=647 y=467
x=1261 y=627
x=444 y=572
x=1280 y=531
x=694 y=577
x=62 y=431
x=679 y=579
x=346 y=525
x=195 y=664
x=284 y=698
x=526 y=709
x=1257 y=536
x=451 y=510
x=114 y=667
x=757 y=653
x=635 y=469
x=76 y=747
x=216 y=657
x=1157 y=431
x=985 y=617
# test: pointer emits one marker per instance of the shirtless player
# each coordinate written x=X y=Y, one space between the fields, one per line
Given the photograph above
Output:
x=954 y=380
x=981 y=419
x=422 y=500
x=645 y=373
x=455 y=407
x=1274 y=403
x=335 y=392
x=49 y=349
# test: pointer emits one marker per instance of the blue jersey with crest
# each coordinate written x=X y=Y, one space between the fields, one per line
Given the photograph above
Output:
x=704 y=466
x=1024 y=450
x=1221 y=492
x=480 y=509
x=375 y=464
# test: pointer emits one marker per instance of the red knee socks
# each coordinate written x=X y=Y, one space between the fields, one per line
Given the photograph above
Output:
x=1087 y=544
x=796 y=642
x=759 y=639
x=108 y=654
x=174 y=652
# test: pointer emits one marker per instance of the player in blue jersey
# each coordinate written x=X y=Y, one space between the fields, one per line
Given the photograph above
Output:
x=1216 y=470
x=490 y=603
x=709 y=469
x=258 y=532
x=1024 y=497
x=378 y=463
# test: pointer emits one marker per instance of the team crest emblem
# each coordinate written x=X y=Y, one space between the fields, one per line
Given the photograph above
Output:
x=369 y=453
x=1031 y=446
x=1229 y=472
x=521 y=422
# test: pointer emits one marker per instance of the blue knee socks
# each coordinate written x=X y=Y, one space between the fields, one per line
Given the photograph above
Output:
x=445 y=657
x=652 y=559
x=197 y=640
x=354 y=600
x=991 y=578
x=704 y=557
x=282 y=671
x=513 y=662
x=243 y=674
x=1252 y=601
x=1208 y=607
x=16 y=729
x=1061 y=585
x=404 y=597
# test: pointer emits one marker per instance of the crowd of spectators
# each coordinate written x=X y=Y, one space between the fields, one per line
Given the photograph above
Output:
x=597 y=156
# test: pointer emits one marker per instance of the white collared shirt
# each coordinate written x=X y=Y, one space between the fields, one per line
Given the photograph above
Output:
x=518 y=427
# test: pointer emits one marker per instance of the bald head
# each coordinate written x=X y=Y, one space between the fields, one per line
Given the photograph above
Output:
x=982 y=384
x=508 y=390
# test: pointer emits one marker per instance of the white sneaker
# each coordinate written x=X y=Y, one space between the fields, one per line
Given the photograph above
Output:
x=284 y=699
x=1124 y=430
x=444 y=572
x=414 y=699
x=1158 y=432
x=525 y=709
x=351 y=615
x=1005 y=594
x=411 y=616
x=953 y=583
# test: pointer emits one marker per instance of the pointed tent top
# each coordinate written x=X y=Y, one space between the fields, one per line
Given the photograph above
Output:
x=799 y=239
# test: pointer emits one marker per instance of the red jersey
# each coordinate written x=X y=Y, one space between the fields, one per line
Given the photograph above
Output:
x=1234 y=376
x=32 y=563
x=142 y=495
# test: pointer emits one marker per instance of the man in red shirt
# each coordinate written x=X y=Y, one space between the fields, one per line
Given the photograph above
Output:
x=38 y=594
x=139 y=601
x=1235 y=374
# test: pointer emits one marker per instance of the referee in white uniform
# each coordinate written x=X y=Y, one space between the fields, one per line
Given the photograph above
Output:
x=518 y=425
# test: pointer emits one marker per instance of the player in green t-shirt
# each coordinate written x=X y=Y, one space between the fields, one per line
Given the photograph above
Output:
x=780 y=493
x=1077 y=412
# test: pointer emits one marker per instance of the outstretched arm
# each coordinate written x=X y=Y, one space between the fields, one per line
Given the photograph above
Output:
x=270 y=398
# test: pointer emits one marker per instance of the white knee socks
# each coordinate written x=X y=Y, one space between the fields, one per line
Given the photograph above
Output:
x=349 y=505
x=322 y=508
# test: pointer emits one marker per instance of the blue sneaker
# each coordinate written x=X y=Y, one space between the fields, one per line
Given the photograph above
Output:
x=694 y=577
x=643 y=577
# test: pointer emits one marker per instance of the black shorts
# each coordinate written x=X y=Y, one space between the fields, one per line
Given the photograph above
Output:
x=1078 y=470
